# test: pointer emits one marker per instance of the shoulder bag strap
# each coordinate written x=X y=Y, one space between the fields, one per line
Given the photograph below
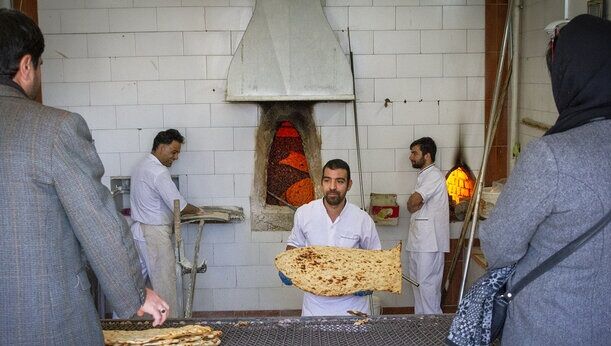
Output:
x=558 y=256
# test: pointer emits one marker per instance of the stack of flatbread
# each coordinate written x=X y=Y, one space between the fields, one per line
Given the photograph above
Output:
x=191 y=335
x=332 y=271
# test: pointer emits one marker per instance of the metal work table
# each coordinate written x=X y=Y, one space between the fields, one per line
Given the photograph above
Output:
x=332 y=331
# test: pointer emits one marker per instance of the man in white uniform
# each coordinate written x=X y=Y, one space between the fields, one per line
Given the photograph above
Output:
x=333 y=221
x=152 y=202
x=429 y=231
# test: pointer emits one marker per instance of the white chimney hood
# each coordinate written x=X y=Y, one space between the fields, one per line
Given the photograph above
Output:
x=289 y=53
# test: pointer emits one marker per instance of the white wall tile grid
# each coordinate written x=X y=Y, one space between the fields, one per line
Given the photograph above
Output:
x=135 y=67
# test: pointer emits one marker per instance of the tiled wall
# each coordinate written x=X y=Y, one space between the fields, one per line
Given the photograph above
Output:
x=135 y=67
x=535 y=90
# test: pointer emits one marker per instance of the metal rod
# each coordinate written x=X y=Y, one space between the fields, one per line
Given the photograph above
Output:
x=358 y=145
x=535 y=124
x=280 y=199
x=514 y=127
x=459 y=246
x=410 y=280
x=498 y=97
x=356 y=124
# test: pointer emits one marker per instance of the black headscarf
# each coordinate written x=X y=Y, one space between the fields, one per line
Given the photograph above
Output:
x=581 y=72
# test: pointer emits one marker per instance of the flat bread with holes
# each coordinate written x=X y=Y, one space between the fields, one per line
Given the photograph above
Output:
x=332 y=271
x=159 y=336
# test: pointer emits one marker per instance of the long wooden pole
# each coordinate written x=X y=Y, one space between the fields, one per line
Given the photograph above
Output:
x=178 y=241
x=198 y=240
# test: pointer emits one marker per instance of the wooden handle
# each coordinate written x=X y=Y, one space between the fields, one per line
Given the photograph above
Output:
x=177 y=232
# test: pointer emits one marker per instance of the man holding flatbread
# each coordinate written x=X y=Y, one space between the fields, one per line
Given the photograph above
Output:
x=333 y=221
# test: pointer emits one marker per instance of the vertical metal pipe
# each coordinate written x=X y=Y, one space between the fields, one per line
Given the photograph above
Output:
x=358 y=143
x=514 y=134
x=356 y=125
x=493 y=121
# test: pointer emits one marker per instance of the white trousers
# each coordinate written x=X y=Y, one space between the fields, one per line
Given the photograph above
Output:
x=427 y=269
x=161 y=264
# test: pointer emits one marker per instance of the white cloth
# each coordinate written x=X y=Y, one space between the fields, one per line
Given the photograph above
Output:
x=140 y=248
x=161 y=263
x=153 y=193
x=427 y=269
x=140 y=243
x=353 y=228
x=429 y=229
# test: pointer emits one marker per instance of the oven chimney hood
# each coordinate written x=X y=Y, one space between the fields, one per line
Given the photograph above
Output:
x=289 y=53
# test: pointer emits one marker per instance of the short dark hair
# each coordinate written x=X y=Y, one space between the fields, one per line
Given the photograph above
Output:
x=167 y=137
x=337 y=164
x=19 y=36
x=427 y=146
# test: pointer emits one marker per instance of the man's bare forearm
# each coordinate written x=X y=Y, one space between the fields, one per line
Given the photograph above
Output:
x=415 y=202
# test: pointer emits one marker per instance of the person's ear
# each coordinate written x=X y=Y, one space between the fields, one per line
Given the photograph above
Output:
x=26 y=65
x=26 y=71
x=349 y=185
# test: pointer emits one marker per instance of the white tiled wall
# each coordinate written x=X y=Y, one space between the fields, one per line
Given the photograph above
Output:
x=535 y=99
x=134 y=67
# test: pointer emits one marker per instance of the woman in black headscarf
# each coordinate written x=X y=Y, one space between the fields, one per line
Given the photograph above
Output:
x=560 y=187
x=579 y=61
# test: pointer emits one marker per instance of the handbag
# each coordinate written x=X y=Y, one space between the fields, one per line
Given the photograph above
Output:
x=482 y=312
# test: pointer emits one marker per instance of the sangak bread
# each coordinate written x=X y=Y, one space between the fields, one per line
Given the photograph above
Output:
x=187 y=335
x=332 y=271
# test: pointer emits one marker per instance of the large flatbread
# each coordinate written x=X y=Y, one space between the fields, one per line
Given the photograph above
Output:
x=159 y=336
x=332 y=271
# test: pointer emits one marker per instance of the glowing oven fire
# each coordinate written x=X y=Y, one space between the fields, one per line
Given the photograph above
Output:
x=460 y=183
x=288 y=175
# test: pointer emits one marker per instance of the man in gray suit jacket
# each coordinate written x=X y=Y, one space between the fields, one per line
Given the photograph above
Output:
x=55 y=214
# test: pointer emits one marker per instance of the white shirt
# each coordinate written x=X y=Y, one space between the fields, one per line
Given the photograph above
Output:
x=429 y=229
x=153 y=193
x=353 y=228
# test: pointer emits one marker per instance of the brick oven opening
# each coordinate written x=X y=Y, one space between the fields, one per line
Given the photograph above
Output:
x=287 y=164
x=460 y=182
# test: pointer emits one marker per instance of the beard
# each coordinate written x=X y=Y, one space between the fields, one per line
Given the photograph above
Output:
x=168 y=163
x=334 y=198
x=418 y=164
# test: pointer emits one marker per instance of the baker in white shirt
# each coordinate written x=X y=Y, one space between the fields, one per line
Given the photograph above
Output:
x=152 y=202
x=429 y=230
x=333 y=221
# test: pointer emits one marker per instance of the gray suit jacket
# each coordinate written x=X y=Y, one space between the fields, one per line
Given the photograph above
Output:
x=54 y=215
x=560 y=187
